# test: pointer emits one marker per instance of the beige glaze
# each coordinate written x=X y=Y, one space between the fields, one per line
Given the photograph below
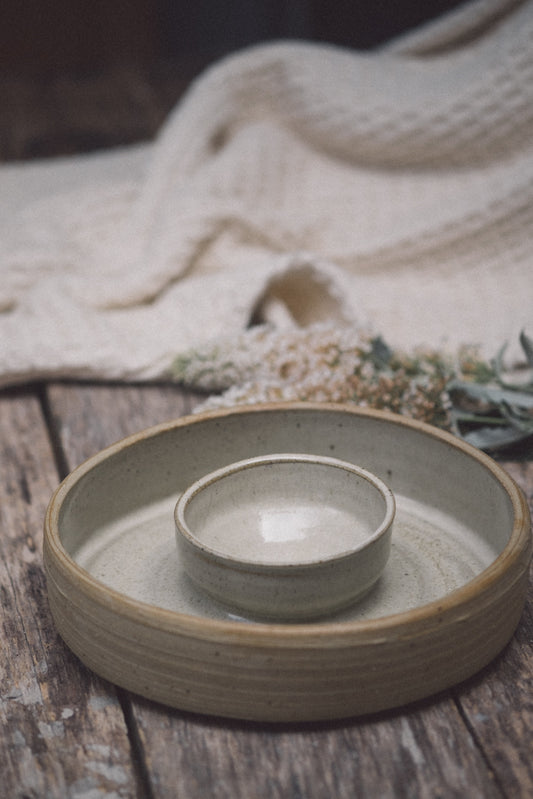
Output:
x=285 y=536
x=129 y=619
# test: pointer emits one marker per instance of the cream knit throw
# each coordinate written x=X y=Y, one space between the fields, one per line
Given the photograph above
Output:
x=296 y=182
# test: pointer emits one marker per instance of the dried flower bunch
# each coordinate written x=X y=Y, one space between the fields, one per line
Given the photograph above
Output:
x=324 y=363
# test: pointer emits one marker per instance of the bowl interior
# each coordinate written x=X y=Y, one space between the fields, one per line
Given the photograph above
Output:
x=455 y=510
x=286 y=509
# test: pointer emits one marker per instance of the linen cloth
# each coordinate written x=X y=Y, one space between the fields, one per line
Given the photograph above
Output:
x=295 y=183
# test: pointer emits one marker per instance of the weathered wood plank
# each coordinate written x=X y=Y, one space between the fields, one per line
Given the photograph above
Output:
x=425 y=751
x=87 y=419
x=63 y=730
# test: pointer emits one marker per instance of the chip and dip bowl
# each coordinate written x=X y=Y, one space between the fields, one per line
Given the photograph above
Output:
x=447 y=602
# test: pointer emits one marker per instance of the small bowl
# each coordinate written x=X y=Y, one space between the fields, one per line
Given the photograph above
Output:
x=286 y=537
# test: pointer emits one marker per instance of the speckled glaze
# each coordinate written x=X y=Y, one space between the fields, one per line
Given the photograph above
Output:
x=448 y=601
x=286 y=536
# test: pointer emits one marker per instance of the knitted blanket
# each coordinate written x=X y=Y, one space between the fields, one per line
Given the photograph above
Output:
x=296 y=184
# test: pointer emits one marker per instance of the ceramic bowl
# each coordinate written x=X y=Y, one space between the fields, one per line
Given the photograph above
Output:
x=285 y=536
x=448 y=602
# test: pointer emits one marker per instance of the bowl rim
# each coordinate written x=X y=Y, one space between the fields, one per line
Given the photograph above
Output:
x=514 y=557
x=258 y=566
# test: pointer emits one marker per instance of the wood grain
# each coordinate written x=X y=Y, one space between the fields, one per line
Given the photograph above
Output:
x=86 y=419
x=451 y=746
x=422 y=752
x=63 y=730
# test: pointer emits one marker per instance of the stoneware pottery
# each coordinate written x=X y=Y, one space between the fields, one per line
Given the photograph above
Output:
x=286 y=536
x=446 y=603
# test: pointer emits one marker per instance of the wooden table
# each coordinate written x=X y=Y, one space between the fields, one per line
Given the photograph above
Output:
x=67 y=733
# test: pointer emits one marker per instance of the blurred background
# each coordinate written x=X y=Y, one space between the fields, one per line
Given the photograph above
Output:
x=80 y=75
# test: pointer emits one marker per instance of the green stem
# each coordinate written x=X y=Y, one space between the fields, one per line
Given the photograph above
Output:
x=471 y=417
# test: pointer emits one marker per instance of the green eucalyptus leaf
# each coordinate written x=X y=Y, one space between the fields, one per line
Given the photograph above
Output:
x=497 y=362
x=516 y=417
x=499 y=369
x=527 y=346
x=381 y=353
x=493 y=438
x=492 y=395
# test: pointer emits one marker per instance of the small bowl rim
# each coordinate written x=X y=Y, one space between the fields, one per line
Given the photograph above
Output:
x=246 y=564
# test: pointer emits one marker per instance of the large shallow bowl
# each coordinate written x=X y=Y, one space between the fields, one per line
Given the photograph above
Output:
x=448 y=601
